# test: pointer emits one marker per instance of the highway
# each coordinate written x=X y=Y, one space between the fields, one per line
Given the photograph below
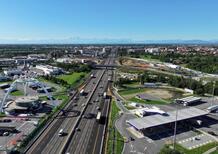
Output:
x=89 y=138
x=50 y=142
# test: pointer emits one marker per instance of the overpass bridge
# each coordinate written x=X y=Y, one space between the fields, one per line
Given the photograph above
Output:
x=103 y=66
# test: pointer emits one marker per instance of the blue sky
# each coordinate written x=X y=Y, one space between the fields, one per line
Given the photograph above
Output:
x=113 y=19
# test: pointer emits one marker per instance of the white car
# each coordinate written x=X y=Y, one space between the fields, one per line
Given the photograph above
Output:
x=5 y=133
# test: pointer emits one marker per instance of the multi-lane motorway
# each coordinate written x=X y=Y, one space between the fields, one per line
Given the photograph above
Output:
x=83 y=135
x=89 y=138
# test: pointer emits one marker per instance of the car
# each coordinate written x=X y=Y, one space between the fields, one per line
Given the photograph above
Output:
x=87 y=116
x=98 y=108
x=44 y=103
x=7 y=120
x=212 y=133
x=196 y=138
x=76 y=98
x=132 y=139
x=77 y=129
x=83 y=105
x=5 y=133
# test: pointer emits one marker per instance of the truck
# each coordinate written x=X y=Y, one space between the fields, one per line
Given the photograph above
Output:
x=61 y=132
x=98 y=117
x=92 y=76
x=81 y=92
x=105 y=95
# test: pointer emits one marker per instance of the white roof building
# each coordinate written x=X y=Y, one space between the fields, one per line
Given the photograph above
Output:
x=49 y=70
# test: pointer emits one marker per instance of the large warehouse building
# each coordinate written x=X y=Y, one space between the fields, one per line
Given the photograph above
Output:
x=141 y=124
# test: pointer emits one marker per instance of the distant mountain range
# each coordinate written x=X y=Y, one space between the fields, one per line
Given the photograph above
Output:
x=78 y=40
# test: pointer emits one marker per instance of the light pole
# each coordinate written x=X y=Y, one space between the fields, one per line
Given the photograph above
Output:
x=214 y=83
x=175 y=127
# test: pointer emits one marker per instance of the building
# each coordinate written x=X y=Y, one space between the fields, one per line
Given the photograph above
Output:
x=13 y=72
x=188 y=100
x=64 y=60
x=150 y=122
x=142 y=112
x=49 y=70
x=150 y=85
x=172 y=66
x=4 y=78
x=5 y=62
x=23 y=104
x=37 y=56
x=155 y=51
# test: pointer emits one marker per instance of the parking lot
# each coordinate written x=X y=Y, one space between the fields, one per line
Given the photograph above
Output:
x=196 y=141
x=14 y=128
x=24 y=126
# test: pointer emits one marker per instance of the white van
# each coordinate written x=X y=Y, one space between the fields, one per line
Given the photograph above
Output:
x=61 y=132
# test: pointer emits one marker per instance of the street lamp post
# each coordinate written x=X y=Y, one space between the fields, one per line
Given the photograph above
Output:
x=175 y=127
x=214 y=83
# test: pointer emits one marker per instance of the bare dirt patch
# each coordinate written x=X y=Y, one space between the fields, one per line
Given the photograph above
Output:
x=161 y=93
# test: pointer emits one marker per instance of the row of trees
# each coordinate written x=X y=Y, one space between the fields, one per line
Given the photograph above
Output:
x=175 y=81
x=56 y=80
x=193 y=60
x=75 y=67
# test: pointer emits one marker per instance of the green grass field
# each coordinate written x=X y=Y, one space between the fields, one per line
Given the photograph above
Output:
x=72 y=78
x=17 y=93
x=119 y=141
x=148 y=57
x=198 y=150
x=215 y=152
x=134 y=99
x=131 y=91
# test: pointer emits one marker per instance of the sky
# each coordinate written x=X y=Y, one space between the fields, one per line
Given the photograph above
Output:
x=108 y=19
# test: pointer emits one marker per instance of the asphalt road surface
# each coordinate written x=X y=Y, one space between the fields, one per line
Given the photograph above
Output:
x=50 y=142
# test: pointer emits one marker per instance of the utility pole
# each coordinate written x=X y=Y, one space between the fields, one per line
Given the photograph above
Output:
x=214 y=83
x=175 y=127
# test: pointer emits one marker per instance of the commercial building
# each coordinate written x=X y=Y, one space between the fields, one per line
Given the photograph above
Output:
x=23 y=104
x=49 y=70
x=154 y=51
x=13 y=72
x=144 y=123
x=7 y=62
x=37 y=56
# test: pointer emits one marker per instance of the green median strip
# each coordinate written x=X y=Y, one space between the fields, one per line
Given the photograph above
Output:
x=115 y=141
